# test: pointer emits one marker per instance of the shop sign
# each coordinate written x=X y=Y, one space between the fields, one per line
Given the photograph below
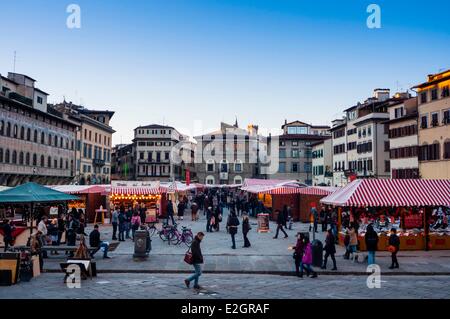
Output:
x=153 y=184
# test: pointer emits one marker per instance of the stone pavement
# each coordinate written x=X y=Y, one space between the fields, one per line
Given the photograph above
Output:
x=266 y=256
x=236 y=286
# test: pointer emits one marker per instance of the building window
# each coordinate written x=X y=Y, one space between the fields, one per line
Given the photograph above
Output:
x=141 y=155
x=282 y=143
x=237 y=180
x=295 y=153
x=167 y=156
x=49 y=162
x=7 y=157
x=446 y=117
x=39 y=100
x=14 y=157
x=435 y=119
x=2 y=127
x=282 y=167
x=297 y=130
x=447 y=149
x=210 y=166
x=22 y=133
x=42 y=138
x=224 y=167
x=8 y=129
x=27 y=159
x=238 y=166
x=34 y=160
x=210 y=180
x=294 y=167
x=434 y=94
x=294 y=143
x=20 y=158
x=399 y=112
x=387 y=166
x=42 y=161
x=423 y=97
x=282 y=153
x=424 y=121
x=35 y=137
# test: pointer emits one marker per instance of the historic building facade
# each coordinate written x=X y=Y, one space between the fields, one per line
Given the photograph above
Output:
x=295 y=150
x=434 y=126
x=322 y=163
x=94 y=140
x=36 y=142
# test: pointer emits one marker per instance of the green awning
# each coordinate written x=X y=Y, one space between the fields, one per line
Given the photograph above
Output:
x=33 y=193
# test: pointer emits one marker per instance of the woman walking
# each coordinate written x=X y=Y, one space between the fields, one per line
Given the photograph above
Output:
x=330 y=250
x=371 y=239
x=197 y=261
x=245 y=229
x=307 y=260
x=135 y=223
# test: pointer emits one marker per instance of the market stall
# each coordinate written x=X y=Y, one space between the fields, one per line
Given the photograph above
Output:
x=418 y=209
x=275 y=194
x=145 y=195
x=90 y=198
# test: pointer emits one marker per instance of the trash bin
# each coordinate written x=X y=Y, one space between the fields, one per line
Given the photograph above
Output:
x=317 y=253
x=140 y=244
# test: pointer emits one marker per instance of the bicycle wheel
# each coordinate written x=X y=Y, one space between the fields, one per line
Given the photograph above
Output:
x=188 y=239
x=152 y=231
x=163 y=235
x=174 y=238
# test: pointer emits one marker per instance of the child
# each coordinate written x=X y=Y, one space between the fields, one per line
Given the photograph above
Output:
x=394 y=241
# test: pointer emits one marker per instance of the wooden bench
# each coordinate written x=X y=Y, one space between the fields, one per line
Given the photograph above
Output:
x=66 y=248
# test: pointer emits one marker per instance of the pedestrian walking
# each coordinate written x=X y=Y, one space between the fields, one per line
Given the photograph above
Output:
x=371 y=239
x=197 y=261
x=280 y=223
x=217 y=218
x=314 y=218
x=194 y=211
x=307 y=260
x=115 y=222
x=245 y=229
x=233 y=224
x=330 y=250
x=285 y=215
x=394 y=247
x=181 y=208
x=170 y=212
x=298 y=253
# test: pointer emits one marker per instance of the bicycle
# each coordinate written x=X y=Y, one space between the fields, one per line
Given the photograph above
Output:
x=167 y=233
x=185 y=236
x=152 y=229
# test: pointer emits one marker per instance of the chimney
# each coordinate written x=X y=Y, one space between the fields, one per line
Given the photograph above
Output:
x=285 y=121
x=382 y=94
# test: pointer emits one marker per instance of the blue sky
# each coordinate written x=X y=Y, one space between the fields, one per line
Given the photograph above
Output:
x=211 y=60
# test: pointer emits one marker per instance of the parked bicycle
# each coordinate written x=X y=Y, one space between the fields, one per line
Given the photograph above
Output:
x=185 y=236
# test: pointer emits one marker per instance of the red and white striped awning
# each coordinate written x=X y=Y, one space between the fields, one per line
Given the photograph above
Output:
x=79 y=189
x=392 y=192
x=135 y=190
x=285 y=190
x=265 y=182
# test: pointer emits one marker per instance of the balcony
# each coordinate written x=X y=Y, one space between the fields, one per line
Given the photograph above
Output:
x=98 y=162
x=20 y=98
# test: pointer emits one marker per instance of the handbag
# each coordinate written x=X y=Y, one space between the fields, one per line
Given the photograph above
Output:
x=188 y=258
x=391 y=248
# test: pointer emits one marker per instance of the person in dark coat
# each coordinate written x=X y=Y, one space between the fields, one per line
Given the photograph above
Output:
x=95 y=241
x=7 y=233
x=128 y=216
x=122 y=224
x=170 y=212
x=197 y=261
x=217 y=218
x=330 y=250
x=245 y=229
x=233 y=224
x=371 y=239
x=280 y=222
x=285 y=215
x=394 y=241
x=194 y=211
x=323 y=219
x=181 y=208
x=209 y=215
x=143 y=214
x=298 y=252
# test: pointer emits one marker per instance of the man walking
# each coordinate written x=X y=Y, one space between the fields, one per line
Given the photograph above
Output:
x=170 y=212
x=233 y=223
x=280 y=223
x=197 y=261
